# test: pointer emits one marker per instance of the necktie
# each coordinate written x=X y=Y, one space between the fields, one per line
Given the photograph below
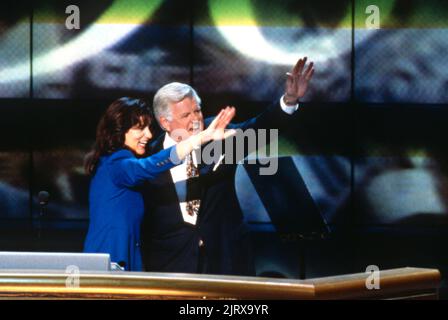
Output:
x=192 y=171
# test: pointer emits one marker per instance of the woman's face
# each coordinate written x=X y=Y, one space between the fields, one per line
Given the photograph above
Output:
x=136 y=139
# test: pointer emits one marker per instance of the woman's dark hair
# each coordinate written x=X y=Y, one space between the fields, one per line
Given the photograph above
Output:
x=120 y=116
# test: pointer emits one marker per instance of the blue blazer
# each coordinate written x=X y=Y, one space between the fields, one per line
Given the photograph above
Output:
x=116 y=204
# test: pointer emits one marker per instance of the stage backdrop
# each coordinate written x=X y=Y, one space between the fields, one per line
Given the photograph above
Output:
x=368 y=147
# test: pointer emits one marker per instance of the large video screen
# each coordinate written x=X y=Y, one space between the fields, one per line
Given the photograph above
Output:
x=403 y=59
x=370 y=56
x=231 y=47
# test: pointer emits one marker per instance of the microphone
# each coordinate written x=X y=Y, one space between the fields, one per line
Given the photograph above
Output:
x=43 y=197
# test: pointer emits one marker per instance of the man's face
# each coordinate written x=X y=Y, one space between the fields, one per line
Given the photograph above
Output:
x=186 y=120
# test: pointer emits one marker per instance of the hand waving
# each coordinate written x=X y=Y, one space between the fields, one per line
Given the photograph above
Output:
x=216 y=129
x=297 y=81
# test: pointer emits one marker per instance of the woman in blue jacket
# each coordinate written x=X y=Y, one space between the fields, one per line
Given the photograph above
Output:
x=118 y=167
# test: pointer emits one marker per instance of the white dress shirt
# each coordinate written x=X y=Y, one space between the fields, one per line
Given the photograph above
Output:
x=179 y=173
x=288 y=109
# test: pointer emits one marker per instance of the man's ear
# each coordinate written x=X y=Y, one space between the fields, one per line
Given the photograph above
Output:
x=165 y=123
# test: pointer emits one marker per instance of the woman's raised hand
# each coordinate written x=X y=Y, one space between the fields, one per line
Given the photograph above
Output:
x=216 y=129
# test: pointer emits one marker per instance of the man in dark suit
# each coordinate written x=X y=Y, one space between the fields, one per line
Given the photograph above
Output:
x=193 y=221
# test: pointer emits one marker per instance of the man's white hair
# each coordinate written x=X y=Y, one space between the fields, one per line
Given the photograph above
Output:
x=172 y=93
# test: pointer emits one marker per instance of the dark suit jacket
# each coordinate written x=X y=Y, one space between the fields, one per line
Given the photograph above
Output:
x=171 y=245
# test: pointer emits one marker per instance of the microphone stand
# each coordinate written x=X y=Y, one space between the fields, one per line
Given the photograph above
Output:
x=42 y=211
x=43 y=198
